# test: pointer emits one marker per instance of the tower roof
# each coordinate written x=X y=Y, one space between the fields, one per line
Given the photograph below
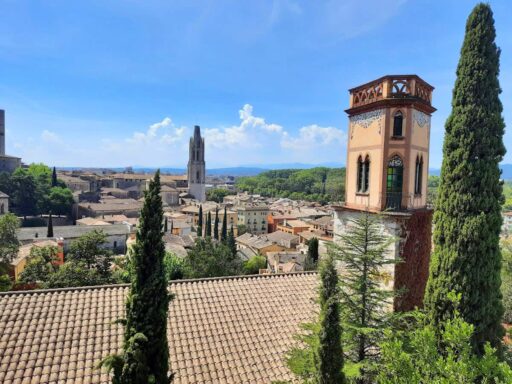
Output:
x=391 y=89
x=197 y=131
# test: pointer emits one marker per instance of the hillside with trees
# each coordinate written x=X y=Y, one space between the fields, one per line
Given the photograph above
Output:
x=320 y=184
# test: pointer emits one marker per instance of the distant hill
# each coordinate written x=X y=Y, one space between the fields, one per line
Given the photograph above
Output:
x=320 y=184
x=506 y=171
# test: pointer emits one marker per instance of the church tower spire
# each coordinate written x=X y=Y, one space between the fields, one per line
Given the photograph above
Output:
x=197 y=166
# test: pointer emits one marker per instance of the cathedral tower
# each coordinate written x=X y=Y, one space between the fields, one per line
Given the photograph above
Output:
x=196 y=166
x=387 y=173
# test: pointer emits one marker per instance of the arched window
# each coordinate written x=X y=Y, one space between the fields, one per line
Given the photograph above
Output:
x=394 y=183
x=363 y=172
x=397 y=124
x=418 y=179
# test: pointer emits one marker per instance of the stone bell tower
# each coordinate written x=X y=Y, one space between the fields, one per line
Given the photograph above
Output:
x=196 y=166
x=387 y=173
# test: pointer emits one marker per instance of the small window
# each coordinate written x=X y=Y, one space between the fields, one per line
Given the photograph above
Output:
x=397 y=124
x=418 y=179
x=363 y=174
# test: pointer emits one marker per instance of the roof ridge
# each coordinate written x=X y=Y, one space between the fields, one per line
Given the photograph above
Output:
x=173 y=282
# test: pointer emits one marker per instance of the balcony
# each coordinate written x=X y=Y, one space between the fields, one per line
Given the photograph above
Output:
x=391 y=87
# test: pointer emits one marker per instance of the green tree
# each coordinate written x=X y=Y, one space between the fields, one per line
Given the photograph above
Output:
x=216 y=225
x=218 y=194
x=146 y=353
x=5 y=283
x=54 y=177
x=224 y=233
x=40 y=265
x=412 y=357
x=506 y=278
x=312 y=255
x=90 y=250
x=60 y=200
x=364 y=295
x=49 y=229
x=231 y=243
x=254 y=264
x=208 y=229
x=208 y=259
x=6 y=184
x=73 y=274
x=467 y=218
x=330 y=350
x=241 y=229
x=9 y=244
x=200 y=222
x=165 y=225
x=25 y=193
x=174 y=267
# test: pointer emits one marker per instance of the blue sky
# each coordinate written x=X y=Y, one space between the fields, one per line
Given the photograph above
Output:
x=117 y=83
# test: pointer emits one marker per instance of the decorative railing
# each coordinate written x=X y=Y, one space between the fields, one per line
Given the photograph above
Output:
x=390 y=87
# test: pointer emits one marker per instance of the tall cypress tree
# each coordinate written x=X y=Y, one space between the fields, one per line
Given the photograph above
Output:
x=200 y=222
x=146 y=353
x=330 y=350
x=231 y=241
x=467 y=218
x=208 y=231
x=49 y=229
x=224 y=234
x=216 y=226
x=54 y=177
x=165 y=225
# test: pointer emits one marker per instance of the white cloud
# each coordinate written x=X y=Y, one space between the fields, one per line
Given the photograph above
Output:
x=50 y=137
x=313 y=136
x=151 y=133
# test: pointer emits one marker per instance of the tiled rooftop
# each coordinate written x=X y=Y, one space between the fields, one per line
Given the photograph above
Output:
x=222 y=330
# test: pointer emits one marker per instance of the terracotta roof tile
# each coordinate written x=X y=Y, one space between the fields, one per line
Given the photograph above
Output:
x=223 y=330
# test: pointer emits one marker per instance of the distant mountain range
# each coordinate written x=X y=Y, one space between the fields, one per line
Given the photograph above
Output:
x=253 y=171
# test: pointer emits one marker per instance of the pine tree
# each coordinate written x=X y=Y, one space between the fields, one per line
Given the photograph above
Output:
x=54 y=178
x=467 y=218
x=200 y=222
x=216 y=226
x=165 y=225
x=231 y=241
x=330 y=351
x=146 y=354
x=49 y=230
x=224 y=234
x=208 y=231
x=364 y=297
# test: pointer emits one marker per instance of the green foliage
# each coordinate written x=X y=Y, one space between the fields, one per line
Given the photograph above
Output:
x=174 y=267
x=89 y=249
x=316 y=184
x=254 y=264
x=413 y=357
x=241 y=229
x=224 y=232
x=73 y=274
x=200 y=222
x=231 y=243
x=60 y=201
x=54 y=177
x=34 y=191
x=312 y=255
x=208 y=259
x=9 y=244
x=218 y=194
x=467 y=218
x=302 y=359
x=364 y=296
x=5 y=283
x=216 y=225
x=40 y=265
x=330 y=351
x=433 y=185
x=506 y=279
x=145 y=351
x=507 y=192
x=49 y=230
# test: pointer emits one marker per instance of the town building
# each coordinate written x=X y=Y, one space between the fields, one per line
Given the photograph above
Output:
x=294 y=226
x=18 y=264
x=7 y=163
x=285 y=262
x=386 y=173
x=197 y=167
x=253 y=217
x=117 y=235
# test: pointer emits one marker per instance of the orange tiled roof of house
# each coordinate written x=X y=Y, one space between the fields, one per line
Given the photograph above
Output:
x=222 y=330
